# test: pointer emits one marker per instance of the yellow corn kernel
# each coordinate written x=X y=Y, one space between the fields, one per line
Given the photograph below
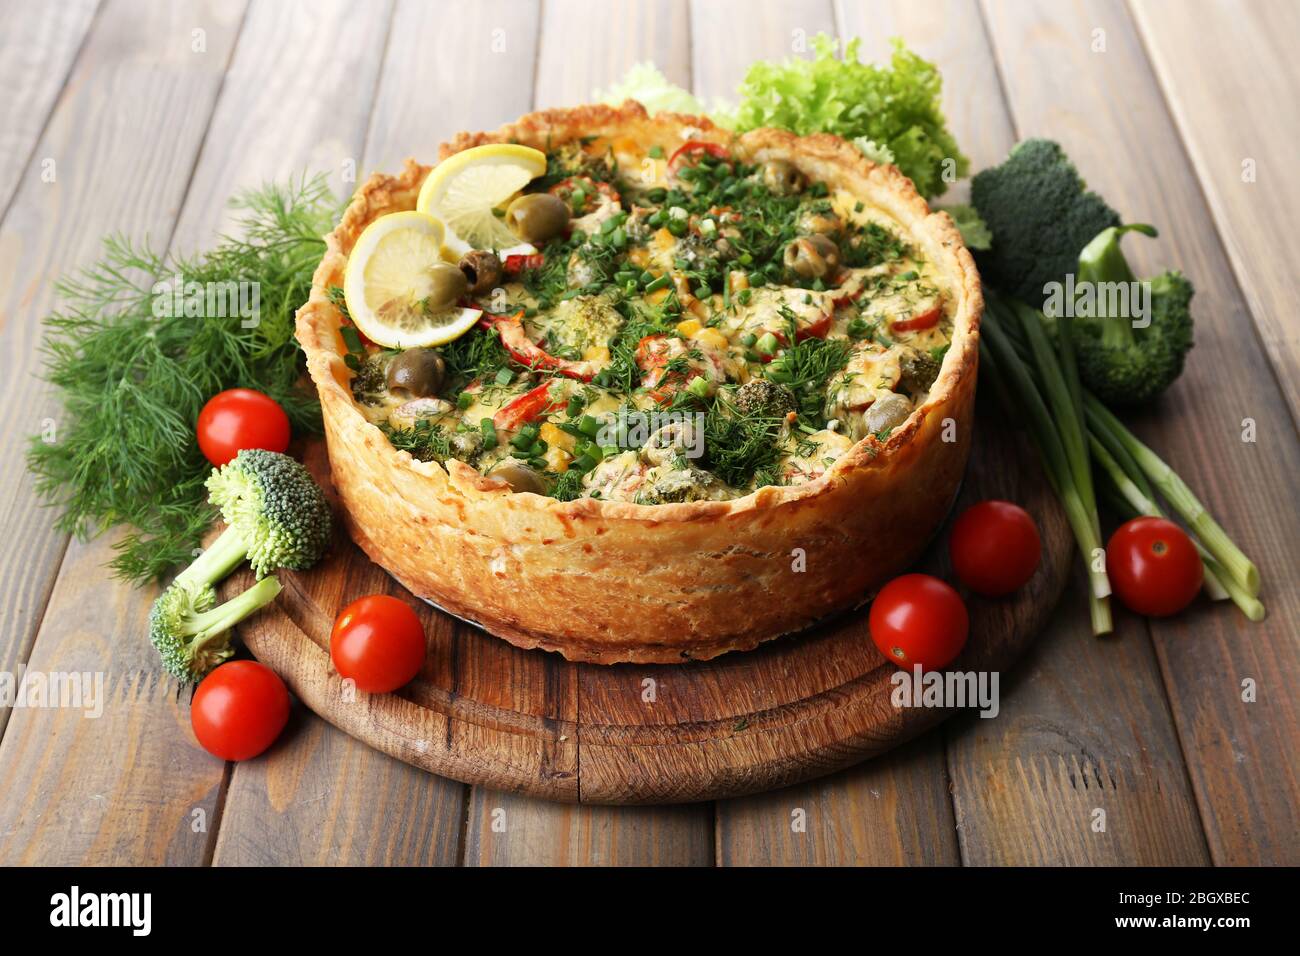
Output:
x=738 y=281
x=711 y=337
x=665 y=239
x=654 y=298
x=557 y=460
x=556 y=437
x=688 y=327
x=698 y=308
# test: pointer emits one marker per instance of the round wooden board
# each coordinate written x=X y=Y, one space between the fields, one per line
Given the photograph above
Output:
x=485 y=712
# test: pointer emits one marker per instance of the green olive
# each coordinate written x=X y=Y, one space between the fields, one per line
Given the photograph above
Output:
x=447 y=285
x=482 y=271
x=812 y=257
x=536 y=217
x=418 y=372
x=520 y=478
x=782 y=178
x=887 y=412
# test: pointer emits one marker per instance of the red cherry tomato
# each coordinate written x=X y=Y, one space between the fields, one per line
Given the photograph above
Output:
x=918 y=619
x=995 y=547
x=239 y=709
x=1153 y=566
x=379 y=643
x=240 y=418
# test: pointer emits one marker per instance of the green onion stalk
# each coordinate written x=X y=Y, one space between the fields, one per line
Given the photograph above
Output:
x=1018 y=360
x=999 y=355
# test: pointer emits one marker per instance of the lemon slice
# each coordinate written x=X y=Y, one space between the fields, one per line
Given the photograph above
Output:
x=464 y=189
x=388 y=280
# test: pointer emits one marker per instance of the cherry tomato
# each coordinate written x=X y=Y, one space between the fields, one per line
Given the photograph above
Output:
x=378 y=642
x=240 y=418
x=1153 y=566
x=995 y=547
x=239 y=709
x=918 y=619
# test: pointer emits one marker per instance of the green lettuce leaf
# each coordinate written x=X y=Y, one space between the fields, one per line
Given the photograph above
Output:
x=892 y=113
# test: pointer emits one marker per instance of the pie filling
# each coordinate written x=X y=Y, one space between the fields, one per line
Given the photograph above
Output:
x=697 y=328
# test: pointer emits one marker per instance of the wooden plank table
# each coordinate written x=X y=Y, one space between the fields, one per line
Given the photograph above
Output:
x=113 y=120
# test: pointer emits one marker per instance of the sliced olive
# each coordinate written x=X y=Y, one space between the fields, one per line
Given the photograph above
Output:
x=888 y=411
x=447 y=285
x=812 y=257
x=782 y=178
x=482 y=271
x=520 y=478
x=418 y=372
x=536 y=217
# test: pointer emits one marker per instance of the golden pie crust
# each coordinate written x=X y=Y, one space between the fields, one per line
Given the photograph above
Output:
x=613 y=581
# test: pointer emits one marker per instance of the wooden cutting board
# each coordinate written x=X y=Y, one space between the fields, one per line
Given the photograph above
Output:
x=485 y=712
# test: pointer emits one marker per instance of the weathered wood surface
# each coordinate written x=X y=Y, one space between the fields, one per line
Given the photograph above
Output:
x=1229 y=75
x=1151 y=729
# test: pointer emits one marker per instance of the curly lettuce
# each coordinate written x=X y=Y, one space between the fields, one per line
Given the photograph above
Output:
x=892 y=113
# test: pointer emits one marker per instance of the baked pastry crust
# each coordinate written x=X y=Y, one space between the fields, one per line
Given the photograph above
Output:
x=615 y=581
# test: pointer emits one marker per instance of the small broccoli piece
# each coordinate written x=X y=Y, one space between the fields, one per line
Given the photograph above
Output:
x=761 y=398
x=277 y=517
x=192 y=635
x=1040 y=214
x=1124 y=365
x=919 y=370
x=274 y=508
x=370 y=379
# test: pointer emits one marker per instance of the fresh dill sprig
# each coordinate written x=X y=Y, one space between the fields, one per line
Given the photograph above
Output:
x=425 y=440
x=132 y=377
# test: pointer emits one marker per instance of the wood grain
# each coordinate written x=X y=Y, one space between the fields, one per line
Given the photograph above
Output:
x=621 y=34
x=728 y=35
x=130 y=785
x=1242 y=757
x=507 y=829
x=1240 y=111
x=37 y=49
x=891 y=811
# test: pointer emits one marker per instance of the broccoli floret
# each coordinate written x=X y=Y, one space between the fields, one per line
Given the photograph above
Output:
x=274 y=507
x=919 y=370
x=761 y=398
x=1040 y=214
x=1124 y=365
x=370 y=379
x=192 y=635
x=276 y=517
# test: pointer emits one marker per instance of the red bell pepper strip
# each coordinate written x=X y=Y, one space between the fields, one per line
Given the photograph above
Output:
x=528 y=353
x=517 y=264
x=692 y=146
x=528 y=407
